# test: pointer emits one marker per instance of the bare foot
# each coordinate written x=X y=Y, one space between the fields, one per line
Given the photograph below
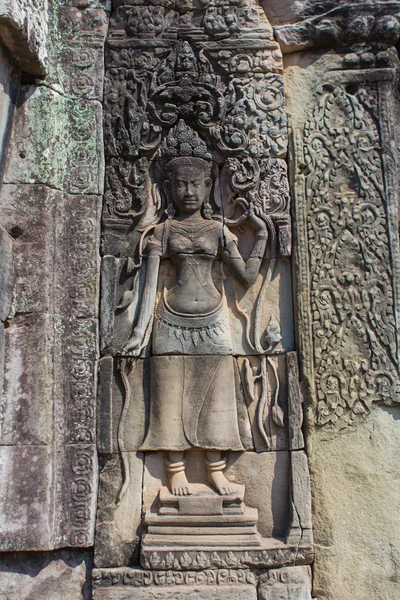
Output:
x=220 y=483
x=178 y=484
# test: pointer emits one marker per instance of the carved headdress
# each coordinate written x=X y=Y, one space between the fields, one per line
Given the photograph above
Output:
x=183 y=146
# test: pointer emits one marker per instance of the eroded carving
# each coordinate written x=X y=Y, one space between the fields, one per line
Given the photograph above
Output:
x=197 y=218
x=355 y=345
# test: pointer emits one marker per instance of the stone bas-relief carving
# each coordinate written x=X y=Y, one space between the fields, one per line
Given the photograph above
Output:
x=344 y=193
x=199 y=389
x=204 y=483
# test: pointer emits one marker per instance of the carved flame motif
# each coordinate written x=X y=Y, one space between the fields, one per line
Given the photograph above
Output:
x=352 y=306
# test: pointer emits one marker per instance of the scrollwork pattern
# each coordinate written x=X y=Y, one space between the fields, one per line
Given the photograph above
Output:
x=355 y=346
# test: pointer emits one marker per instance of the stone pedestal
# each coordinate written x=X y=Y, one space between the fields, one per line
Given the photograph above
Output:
x=203 y=521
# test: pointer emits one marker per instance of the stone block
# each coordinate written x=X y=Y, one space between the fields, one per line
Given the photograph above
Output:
x=56 y=141
x=77 y=260
x=29 y=379
x=24 y=29
x=76 y=508
x=45 y=576
x=6 y=274
x=105 y=421
x=119 y=511
x=355 y=485
x=199 y=592
x=9 y=89
x=28 y=214
x=291 y=583
x=300 y=527
x=295 y=402
x=27 y=499
x=56 y=238
x=83 y=21
x=109 y=275
x=81 y=68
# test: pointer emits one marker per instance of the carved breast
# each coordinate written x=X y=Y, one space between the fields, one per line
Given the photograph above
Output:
x=203 y=239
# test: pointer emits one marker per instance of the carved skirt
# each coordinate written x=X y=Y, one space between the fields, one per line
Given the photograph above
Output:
x=196 y=401
x=175 y=333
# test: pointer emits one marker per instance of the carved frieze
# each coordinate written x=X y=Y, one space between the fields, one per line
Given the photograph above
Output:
x=348 y=178
x=332 y=25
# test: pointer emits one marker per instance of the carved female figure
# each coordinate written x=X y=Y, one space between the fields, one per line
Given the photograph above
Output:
x=194 y=380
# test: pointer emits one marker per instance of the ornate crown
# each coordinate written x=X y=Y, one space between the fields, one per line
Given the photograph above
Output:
x=181 y=143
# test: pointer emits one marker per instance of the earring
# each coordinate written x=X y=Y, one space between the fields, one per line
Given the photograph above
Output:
x=170 y=211
x=207 y=210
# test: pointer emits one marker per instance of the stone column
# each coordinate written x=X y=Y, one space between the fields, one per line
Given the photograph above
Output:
x=50 y=205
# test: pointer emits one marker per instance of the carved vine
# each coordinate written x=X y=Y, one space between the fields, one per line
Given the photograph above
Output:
x=355 y=346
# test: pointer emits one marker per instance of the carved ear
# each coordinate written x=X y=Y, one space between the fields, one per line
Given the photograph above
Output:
x=167 y=189
x=208 y=183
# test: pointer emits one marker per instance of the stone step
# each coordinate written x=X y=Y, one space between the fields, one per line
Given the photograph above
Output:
x=184 y=530
x=249 y=517
x=210 y=541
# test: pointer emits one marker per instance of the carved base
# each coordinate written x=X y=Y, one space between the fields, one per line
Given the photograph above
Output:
x=137 y=584
x=203 y=520
x=209 y=531
x=129 y=583
x=272 y=553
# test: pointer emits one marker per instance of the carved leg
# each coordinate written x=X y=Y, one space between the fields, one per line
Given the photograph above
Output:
x=175 y=467
x=215 y=466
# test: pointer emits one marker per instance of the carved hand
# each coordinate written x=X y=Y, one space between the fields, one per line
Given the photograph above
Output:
x=256 y=223
x=133 y=346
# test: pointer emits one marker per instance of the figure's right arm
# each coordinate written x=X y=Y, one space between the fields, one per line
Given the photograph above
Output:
x=134 y=345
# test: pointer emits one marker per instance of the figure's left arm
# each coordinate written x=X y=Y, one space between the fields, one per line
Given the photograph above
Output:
x=245 y=271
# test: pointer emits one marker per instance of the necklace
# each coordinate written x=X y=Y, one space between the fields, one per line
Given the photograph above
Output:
x=191 y=231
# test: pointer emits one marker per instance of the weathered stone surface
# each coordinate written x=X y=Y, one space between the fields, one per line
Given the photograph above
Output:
x=45 y=576
x=23 y=29
x=29 y=213
x=199 y=592
x=27 y=411
x=355 y=482
x=26 y=510
x=119 y=510
x=6 y=274
x=350 y=440
x=292 y=583
x=266 y=477
x=295 y=402
x=9 y=78
x=53 y=334
x=331 y=24
x=56 y=141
